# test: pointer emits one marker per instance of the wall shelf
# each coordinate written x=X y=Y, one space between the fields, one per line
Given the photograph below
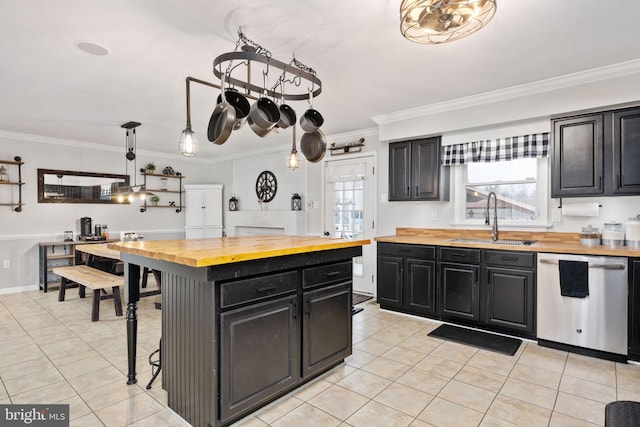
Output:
x=17 y=161
x=179 y=206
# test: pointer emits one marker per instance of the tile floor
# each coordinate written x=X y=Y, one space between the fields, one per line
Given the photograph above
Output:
x=397 y=376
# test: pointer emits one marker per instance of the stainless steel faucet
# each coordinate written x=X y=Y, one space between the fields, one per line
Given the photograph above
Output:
x=494 y=230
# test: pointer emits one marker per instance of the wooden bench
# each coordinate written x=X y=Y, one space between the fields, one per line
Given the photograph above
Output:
x=94 y=279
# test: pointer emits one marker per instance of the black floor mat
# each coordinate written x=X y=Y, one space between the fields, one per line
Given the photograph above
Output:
x=357 y=298
x=479 y=339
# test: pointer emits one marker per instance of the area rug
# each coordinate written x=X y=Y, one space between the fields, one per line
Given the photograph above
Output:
x=358 y=298
x=476 y=338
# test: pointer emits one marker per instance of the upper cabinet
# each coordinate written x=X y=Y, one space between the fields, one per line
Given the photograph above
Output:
x=596 y=154
x=415 y=171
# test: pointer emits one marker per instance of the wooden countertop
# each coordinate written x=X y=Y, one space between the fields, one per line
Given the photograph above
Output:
x=99 y=250
x=568 y=243
x=226 y=250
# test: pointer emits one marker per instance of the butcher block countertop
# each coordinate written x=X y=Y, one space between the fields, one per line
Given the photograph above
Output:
x=567 y=243
x=226 y=250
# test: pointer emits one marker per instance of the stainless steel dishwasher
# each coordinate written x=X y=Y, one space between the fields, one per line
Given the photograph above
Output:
x=598 y=321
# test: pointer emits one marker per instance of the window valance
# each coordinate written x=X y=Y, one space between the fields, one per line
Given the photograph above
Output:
x=497 y=150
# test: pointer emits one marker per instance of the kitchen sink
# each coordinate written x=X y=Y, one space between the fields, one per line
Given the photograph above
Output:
x=509 y=242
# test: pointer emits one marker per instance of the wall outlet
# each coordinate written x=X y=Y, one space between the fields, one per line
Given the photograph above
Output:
x=6 y=263
x=434 y=215
x=556 y=215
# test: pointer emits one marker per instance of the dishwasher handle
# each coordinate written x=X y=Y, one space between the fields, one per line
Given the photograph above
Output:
x=600 y=266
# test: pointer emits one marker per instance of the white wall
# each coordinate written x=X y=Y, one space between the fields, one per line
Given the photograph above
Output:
x=21 y=232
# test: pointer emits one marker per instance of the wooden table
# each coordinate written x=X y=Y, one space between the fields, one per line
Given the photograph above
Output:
x=99 y=250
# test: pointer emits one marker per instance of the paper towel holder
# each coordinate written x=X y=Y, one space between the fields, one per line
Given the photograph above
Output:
x=560 y=205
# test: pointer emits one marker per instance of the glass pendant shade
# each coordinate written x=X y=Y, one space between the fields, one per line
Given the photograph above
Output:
x=293 y=161
x=441 y=21
x=188 y=145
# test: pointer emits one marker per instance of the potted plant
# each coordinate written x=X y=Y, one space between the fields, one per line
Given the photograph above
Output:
x=154 y=200
x=150 y=167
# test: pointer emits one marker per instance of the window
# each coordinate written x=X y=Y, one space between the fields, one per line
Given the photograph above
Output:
x=520 y=187
x=348 y=198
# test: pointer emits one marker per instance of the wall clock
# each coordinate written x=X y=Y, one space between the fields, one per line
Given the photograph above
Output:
x=266 y=186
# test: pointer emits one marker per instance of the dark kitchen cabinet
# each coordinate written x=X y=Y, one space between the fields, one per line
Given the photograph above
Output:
x=415 y=171
x=259 y=340
x=407 y=278
x=596 y=154
x=326 y=333
x=634 y=309
x=626 y=151
x=460 y=284
x=510 y=292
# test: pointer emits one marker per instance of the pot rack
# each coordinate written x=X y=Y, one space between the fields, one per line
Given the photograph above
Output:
x=295 y=73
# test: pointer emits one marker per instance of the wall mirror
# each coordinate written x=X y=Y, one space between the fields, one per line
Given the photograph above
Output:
x=59 y=186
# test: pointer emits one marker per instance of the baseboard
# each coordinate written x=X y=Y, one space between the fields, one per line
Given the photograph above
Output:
x=18 y=289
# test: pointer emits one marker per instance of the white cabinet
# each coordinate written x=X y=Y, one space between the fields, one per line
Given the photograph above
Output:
x=203 y=211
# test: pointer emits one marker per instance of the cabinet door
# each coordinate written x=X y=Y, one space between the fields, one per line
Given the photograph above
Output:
x=400 y=171
x=194 y=201
x=578 y=165
x=420 y=288
x=634 y=309
x=511 y=300
x=326 y=327
x=425 y=178
x=460 y=292
x=390 y=281
x=212 y=211
x=259 y=354
x=626 y=152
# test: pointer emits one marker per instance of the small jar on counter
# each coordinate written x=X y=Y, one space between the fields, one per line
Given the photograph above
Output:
x=632 y=233
x=613 y=234
x=589 y=236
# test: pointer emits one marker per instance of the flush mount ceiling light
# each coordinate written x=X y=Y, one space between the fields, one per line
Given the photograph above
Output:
x=441 y=21
x=91 y=48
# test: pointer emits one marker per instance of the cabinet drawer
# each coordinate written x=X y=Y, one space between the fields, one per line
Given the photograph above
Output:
x=510 y=258
x=407 y=250
x=259 y=288
x=327 y=274
x=463 y=255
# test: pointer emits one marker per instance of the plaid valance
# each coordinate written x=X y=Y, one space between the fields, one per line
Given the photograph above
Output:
x=498 y=150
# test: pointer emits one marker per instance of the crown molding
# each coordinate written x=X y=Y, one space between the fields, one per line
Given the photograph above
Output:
x=554 y=83
x=27 y=137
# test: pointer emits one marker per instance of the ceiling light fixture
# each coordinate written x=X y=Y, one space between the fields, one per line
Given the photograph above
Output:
x=91 y=48
x=293 y=161
x=441 y=21
x=188 y=145
x=131 y=192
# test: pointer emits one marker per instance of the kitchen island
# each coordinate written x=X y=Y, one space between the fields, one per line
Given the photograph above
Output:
x=244 y=319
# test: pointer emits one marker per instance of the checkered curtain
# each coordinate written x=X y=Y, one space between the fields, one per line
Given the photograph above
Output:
x=498 y=150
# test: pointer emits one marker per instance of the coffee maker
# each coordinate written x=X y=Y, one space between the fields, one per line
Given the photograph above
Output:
x=85 y=227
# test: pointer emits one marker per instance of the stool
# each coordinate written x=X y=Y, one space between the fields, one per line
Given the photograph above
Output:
x=156 y=365
x=622 y=413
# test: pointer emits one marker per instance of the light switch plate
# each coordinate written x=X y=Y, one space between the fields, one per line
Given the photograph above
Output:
x=6 y=263
x=556 y=215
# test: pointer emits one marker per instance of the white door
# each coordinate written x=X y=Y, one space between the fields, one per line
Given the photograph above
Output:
x=349 y=211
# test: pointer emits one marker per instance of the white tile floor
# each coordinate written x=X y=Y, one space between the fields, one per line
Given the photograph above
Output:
x=51 y=352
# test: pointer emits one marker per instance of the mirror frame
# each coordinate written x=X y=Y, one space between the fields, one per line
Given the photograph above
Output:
x=43 y=172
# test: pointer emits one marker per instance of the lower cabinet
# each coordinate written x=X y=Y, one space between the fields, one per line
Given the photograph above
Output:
x=279 y=330
x=486 y=288
x=634 y=309
x=459 y=284
x=511 y=292
x=259 y=353
x=326 y=322
x=407 y=278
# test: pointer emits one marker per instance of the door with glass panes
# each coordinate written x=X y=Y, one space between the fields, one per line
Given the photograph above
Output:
x=349 y=212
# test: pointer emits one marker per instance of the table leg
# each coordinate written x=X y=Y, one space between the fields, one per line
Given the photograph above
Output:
x=133 y=296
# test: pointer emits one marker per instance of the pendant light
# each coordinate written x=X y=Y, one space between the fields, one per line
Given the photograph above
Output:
x=188 y=145
x=132 y=192
x=293 y=161
x=442 y=21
